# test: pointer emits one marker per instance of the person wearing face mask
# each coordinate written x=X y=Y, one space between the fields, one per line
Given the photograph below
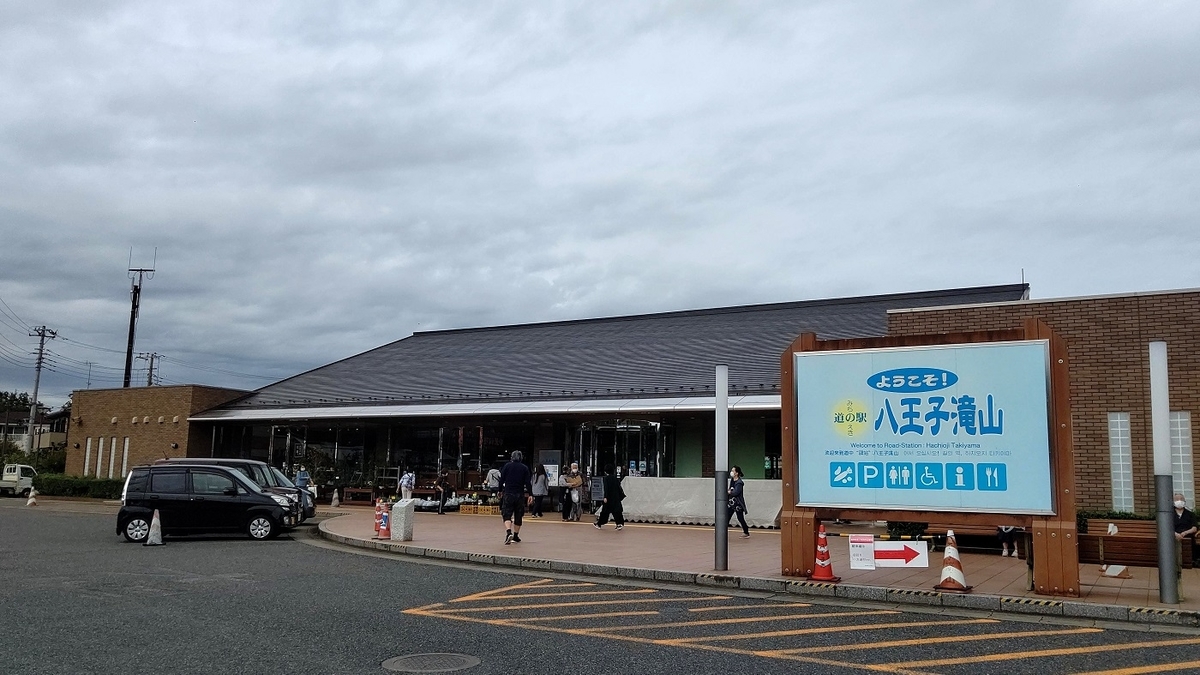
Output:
x=1185 y=529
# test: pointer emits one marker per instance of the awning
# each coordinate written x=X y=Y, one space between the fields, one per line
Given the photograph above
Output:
x=556 y=407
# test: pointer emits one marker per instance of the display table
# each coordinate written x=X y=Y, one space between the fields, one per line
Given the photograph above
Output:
x=357 y=494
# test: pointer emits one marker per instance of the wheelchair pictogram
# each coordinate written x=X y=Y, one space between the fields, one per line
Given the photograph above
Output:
x=930 y=476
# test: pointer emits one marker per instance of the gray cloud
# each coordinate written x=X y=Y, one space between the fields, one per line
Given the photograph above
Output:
x=323 y=178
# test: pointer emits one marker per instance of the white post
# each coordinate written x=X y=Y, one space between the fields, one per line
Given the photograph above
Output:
x=1160 y=431
x=721 y=469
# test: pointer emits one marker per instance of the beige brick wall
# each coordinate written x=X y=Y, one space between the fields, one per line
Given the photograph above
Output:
x=1107 y=340
x=151 y=418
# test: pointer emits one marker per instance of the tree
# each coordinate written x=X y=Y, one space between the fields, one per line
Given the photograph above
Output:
x=11 y=400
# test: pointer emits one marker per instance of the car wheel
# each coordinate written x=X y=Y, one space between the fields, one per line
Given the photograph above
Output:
x=25 y=494
x=261 y=527
x=136 y=530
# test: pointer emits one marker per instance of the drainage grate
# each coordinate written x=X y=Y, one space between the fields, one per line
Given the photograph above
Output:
x=430 y=663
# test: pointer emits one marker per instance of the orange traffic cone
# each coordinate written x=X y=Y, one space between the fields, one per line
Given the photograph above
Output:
x=953 y=579
x=378 y=513
x=32 y=501
x=154 y=538
x=385 y=526
x=824 y=569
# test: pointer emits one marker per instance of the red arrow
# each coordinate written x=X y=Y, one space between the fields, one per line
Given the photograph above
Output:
x=907 y=554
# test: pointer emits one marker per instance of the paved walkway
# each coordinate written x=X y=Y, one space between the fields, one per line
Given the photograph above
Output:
x=689 y=549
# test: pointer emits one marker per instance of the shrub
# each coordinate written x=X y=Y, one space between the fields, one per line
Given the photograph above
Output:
x=897 y=528
x=58 y=485
x=1081 y=517
x=43 y=461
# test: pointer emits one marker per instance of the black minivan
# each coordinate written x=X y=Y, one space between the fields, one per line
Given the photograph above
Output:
x=195 y=499
x=269 y=479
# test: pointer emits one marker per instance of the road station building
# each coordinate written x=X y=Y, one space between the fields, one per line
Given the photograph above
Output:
x=637 y=392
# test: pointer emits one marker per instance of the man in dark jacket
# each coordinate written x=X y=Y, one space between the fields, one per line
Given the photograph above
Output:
x=515 y=491
x=613 y=494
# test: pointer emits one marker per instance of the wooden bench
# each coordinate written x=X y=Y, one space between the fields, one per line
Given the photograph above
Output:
x=937 y=530
x=1134 y=545
x=351 y=494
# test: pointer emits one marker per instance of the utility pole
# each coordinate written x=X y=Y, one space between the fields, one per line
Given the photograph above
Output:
x=150 y=372
x=42 y=333
x=136 y=294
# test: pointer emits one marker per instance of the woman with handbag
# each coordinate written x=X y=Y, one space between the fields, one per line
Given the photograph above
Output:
x=737 y=500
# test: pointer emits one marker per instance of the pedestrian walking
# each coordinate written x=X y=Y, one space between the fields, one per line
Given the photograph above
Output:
x=515 y=493
x=541 y=488
x=613 y=496
x=442 y=487
x=737 y=499
x=407 y=482
x=492 y=481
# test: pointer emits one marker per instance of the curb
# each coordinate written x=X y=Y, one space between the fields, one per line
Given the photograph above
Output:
x=991 y=603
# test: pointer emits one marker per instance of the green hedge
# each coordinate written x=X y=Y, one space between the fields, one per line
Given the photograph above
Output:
x=58 y=485
x=1081 y=517
x=904 y=529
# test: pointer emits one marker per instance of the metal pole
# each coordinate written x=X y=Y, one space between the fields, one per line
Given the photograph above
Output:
x=721 y=473
x=1160 y=428
x=136 y=294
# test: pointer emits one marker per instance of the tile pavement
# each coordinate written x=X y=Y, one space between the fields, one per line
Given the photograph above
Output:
x=678 y=552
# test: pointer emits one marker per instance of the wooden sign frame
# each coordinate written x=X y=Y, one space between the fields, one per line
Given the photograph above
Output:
x=1055 y=547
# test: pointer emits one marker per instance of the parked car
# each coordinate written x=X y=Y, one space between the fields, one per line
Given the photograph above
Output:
x=194 y=499
x=17 y=479
x=308 y=499
x=303 y=505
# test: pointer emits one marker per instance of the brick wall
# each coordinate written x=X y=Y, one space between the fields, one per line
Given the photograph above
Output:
x=1107 y=340
x=151 y=418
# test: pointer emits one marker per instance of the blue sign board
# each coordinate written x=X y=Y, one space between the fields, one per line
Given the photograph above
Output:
x=925 y=428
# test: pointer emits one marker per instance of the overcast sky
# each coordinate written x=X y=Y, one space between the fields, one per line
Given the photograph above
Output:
x=321 y=178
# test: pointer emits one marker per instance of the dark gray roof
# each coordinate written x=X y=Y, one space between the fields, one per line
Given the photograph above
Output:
x=642 y=356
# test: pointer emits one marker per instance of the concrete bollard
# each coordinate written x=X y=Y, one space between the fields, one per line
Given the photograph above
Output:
x=404 y=512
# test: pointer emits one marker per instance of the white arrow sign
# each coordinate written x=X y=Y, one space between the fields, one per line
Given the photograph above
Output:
x=901 y=554
x=867 y=554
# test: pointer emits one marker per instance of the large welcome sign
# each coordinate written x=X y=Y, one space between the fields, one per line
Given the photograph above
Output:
x=944 y=428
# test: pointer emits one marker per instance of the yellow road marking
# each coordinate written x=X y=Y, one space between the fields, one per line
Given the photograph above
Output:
x=585 y=603
x=742 y=619
x=1139 y=670
x=575 y=585
x=1042 y=653
x=725 y=607
x=827 y=629
x=641 y=640
x=939 y=640
x=601 y=615
x=496 y=591
x=641 y=591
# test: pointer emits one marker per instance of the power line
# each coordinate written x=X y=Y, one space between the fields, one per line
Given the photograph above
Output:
x=24 y=326
x=84 y=344
x=214 y=370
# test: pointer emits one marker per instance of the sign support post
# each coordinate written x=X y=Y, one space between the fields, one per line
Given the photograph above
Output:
x=721 y=473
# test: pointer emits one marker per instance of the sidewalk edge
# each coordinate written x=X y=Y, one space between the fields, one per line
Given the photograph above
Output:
x=993 y=603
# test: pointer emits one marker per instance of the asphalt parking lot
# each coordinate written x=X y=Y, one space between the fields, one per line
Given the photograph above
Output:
x=78 y=599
